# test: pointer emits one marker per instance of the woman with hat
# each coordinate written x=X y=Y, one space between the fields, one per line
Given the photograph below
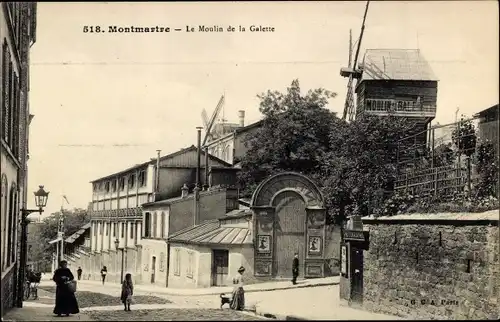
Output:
x=238 y=300
x=65 y=297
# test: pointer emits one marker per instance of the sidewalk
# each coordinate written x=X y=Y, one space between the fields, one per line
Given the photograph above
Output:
x=322 y=303
x=39 y=313
x=260 y=287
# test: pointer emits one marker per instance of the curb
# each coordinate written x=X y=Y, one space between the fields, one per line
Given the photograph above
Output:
x=246 y=291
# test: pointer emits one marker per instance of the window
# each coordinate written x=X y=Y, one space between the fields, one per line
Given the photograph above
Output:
x=100 y=186
x=132 y=228
x=177 y=264
x=189 y=272
x=162 y=226
x=122 y=184
x=142 y=178
x=106 y=186
x=94 y=186
x=154 y=232
x=5 y=92
x=115 y=227
x=131 y=181
x=113 y=186
x=147 y=224
x=123 y=230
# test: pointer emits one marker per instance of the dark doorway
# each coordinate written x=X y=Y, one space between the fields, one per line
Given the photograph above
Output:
x=153 y=270
x=356 y=275
x=220 y=267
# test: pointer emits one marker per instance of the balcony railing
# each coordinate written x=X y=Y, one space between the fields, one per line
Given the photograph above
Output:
x=398 y=107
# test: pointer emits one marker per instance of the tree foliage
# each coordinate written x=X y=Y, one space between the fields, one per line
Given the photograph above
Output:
x=360 y=168
x=464 y=137
x=73 y=221
x=294 y=135
x=349 y=161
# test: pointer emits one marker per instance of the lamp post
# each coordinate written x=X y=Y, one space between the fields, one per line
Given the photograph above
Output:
x=117 y=247
x=41 y=197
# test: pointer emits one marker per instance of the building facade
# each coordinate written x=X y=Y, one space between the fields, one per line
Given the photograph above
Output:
x=163 y=218
x=17 y=34
x=210 y=253
x=116 y=213
x=230 y=147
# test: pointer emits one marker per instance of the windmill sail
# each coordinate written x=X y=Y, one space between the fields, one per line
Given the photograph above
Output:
x=349 y=105
x=213 y=119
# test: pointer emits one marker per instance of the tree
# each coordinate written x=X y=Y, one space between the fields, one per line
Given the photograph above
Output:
x=360 y=168
x=293 y=136
x=464 y=137
x=73 y=221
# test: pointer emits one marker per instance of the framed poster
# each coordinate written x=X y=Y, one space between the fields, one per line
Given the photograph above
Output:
x=264 y=243
x=314 y=245
x=343 y=260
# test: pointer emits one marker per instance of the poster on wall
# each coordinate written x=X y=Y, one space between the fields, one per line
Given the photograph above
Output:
x=264 y=244
x=343 y=260
x=314 y=245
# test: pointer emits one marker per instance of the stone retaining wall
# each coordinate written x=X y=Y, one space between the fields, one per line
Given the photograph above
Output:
x=432 y=270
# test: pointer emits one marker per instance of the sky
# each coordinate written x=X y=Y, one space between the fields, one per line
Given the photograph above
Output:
x=107 y=101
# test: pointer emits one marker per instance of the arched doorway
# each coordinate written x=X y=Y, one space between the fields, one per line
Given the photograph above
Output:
x=288 y=217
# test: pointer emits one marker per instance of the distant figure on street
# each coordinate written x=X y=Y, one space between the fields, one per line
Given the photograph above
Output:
x=79 y=272
x=295 y=268
x=238 y=299
x=104 y=271
x=127 y=291
x=65 y=298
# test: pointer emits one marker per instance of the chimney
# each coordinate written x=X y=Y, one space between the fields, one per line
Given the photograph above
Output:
x=198 y=163
x=185 y=191
x=241 y=116
x=207 y=161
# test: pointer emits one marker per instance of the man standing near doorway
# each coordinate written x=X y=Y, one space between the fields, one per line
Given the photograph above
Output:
x=295 y=268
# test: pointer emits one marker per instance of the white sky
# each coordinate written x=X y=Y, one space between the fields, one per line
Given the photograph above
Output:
x=149 y=89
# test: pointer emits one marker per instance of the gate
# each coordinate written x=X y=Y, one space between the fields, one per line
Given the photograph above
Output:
x=289 y=231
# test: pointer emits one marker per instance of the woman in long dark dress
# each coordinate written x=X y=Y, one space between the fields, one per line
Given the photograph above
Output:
x=65 y=299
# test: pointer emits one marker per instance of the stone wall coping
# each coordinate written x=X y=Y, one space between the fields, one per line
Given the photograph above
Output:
x=489 y=217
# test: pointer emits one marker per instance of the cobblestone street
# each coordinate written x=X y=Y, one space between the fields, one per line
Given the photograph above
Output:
x=172 y=315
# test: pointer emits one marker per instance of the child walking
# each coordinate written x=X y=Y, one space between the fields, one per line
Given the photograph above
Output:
x=127 y=291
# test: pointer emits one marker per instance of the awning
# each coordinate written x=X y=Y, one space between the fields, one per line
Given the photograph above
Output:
x=71 y=239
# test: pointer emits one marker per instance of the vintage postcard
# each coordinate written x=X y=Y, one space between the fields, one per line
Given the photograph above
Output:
x=246 y=160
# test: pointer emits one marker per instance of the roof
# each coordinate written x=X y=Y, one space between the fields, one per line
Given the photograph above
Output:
x=153 y=161
x=75 y=236
x=236 y=131
x=489 y=110
x=396 y=64
x=169 y=201
x=211 y=232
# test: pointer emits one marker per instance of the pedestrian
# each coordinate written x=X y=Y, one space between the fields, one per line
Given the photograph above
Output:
x=127 y=291
x=295 y=268
x=66 y=302
x=79 y=272
x=238 y=299
x=104 y=271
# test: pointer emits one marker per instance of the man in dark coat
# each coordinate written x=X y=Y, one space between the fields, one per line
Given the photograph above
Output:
x=79 y=273
x=295 y=268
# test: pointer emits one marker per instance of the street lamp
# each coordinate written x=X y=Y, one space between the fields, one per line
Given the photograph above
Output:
x=41 y=197
x=117 y=247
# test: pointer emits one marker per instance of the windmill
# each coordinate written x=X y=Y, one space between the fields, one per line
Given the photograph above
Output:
x=353 y=72
x=209 y=123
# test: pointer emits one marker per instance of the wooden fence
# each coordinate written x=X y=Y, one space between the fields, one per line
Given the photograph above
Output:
x=445 y=181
